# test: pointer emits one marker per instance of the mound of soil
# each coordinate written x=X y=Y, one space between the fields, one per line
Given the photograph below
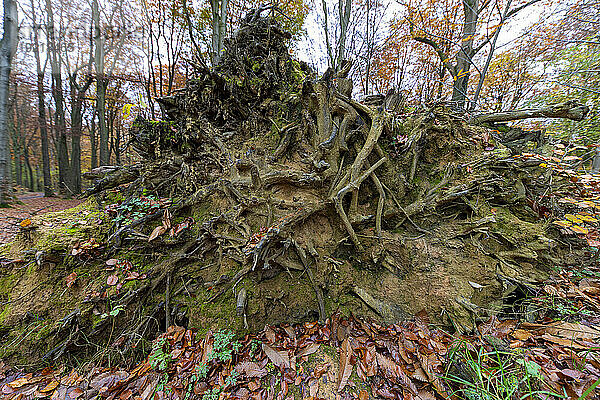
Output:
x=271 y=196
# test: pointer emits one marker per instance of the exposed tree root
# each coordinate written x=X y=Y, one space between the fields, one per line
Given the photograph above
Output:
x=273 y=170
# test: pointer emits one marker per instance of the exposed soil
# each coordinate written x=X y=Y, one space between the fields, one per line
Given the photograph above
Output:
x=271 y=196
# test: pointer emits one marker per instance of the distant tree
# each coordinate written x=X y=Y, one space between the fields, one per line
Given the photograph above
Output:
x=53 y=46
x=42 y=123
x=461 y=57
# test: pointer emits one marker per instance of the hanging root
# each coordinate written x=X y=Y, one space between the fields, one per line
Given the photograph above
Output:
x=337 y=199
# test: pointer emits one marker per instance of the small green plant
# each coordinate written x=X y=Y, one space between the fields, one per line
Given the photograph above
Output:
x=136 y=208
x=162 y=384
x=562 y=309
x=270 y=367
x=496 y=375
x=114 y=312
x=201 y=371
x=232 y=379
x=224 y=346
x=213 y=394
x=253 y=347
x=159 y=358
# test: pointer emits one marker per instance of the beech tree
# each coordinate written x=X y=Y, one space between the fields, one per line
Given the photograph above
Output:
x=42 y=123
x=8 y=47
x=459 y=61
x=218 y=10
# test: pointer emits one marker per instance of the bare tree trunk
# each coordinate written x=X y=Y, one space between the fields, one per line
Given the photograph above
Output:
x=344 y=8
x=8 y=47
x=30 y=180
x=101 y=85
x=59 y=115
x=16 y=143
x=219 y=10
x=596 y=161
x=466 y=53
x=118 y=143
x=41 y=108
x=17 y=135
x=490 y=55
x=76 y=129
x=93 y=142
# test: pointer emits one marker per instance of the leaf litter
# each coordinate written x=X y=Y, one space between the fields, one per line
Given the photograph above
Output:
x=408 y=360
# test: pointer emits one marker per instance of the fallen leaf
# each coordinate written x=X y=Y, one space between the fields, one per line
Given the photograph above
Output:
x=112 y=280
x=310 y=349
x=50 y=387
x=71 y=279
x=345 y=366
x=279 y=358
x=579 y=229
x=250 y=369
x=19 y=382
x=159 y=230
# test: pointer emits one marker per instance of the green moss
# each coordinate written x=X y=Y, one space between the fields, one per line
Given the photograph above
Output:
x=80 y=225
x=5 y=312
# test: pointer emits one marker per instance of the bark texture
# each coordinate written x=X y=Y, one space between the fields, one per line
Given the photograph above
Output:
x=571 y=109
x=8 y=47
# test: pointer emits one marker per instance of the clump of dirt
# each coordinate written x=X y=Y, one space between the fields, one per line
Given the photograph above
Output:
x=270 y=196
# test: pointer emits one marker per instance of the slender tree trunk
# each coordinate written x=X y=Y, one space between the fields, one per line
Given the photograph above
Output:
x=93 y=142
x=8 y=47
x=596 y=161
x=118 y=143
x=466 y=53
x=344 y=8
x=101 y=85
x=41 y=108
x=16 y=150
x=490 y=56
x=30 y=180
x=76 y=129
x=57 y=94
x=219 y=10
x=17 y=138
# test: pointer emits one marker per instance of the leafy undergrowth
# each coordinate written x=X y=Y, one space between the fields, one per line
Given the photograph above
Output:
x=345 y=358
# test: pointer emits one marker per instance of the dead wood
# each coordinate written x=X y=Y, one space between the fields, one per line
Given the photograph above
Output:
x=571 y=109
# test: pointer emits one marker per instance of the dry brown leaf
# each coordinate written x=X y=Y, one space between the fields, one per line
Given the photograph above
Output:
x=159 y=230
x=71 y=279
x=310 y=349
x=20 y=382
x=112 y=280
x=345 y=366
x=564 y=342
x=279 y=358
x=521 y=334
x=394 y=371
x=75 y=393
x=270 y=334
x=50 y=387
x=250 y=369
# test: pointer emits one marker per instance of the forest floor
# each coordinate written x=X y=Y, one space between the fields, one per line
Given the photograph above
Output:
x=28 y=205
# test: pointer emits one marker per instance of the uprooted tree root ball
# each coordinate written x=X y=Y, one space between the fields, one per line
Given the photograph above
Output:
x=270 y=195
